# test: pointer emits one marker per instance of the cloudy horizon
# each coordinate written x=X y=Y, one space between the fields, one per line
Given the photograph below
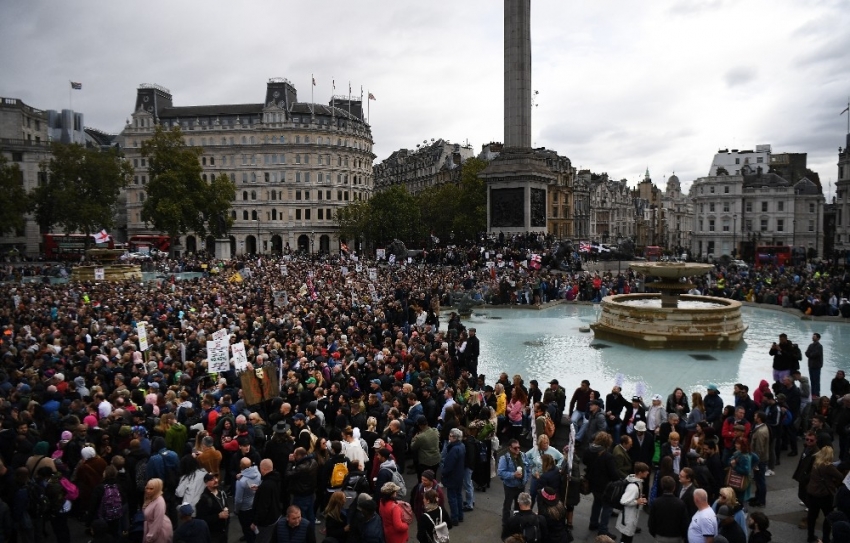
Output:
x=622 y=86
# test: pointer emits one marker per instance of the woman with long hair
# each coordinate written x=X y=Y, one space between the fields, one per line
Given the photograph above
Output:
x=335 y=520
x=697 y=413
x=515 y=411
x=555 y=513
x=727 y=497
x=158 y=528
x=742 y=463
x=820 y=492
x=677 y=403
x=191 y=484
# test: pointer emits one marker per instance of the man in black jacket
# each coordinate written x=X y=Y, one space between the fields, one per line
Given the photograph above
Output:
x=267 y=502
x=601 y=470
x=668 y=515
x=302 y=479
x=525 y=522
x=212 y=509
x=643 y=444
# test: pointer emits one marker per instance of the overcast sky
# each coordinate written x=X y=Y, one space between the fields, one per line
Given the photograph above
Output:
x=622 y=85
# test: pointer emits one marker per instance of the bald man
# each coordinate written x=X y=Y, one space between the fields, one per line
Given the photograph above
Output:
x=267 y=502
x=703 y=527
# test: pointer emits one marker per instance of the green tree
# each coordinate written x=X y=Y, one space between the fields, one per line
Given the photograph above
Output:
x=471 y=216
x=393 y=213
x=16 y=201
x=178 y=199
x=81 y=190
x=353 y=219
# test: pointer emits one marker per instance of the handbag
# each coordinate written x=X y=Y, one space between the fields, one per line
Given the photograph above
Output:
x=441 y=529
x=585 y=486
x=736 y=481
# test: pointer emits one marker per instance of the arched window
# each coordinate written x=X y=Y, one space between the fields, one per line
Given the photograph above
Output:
x=244 y=194
x=254 y=215
x=253 y=194
x=252 y=139
x=224 y=141
x=245 y=215
x=244 y=140
x=204 y=177
x=233 y=214
x=212 y=177
x=274 y=195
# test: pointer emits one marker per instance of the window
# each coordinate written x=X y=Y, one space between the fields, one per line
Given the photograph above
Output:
x=267 y=176
x=780 y=206
x=711 y=207
x=726 y=189
x=244 y=177
x=136 y=180
x=244 y=160
x=748 y=224
x=321 y=215
x=711 y=225
x=319 y=194
x=339 y=195
x=297 y=138
x=135 y=162
x=306 y=214
x=297 y=214
x=811 y=207
x=328 y=215
x=254 y=215
x=764 y=225
x=700 y=225
x=297 y=194
x=725 y=226
x=298 y=159
x=274 y=214
x=759 y=160
x=245 y=215
x=811 y=226
x=737 y=161
x=702 y=208
x=297 y=177
x=749 y=207
x=306 y=194
x=274 y=195
x=345 y=196
x=764 y=207
x=711 y=189
x=306 y=159
x=780 y=225
x=212 y=161
x=726 y=207
x=203 y=161
x=306 y=177
x=554 y=211
x=253 y=194
x=327 y=195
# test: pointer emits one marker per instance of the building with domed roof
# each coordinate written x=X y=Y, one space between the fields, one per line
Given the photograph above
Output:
x=678 y=213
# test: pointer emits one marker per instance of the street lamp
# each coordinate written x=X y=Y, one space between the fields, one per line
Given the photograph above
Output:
x=734 y=235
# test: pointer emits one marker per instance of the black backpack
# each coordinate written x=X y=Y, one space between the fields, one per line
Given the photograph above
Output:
x=38 y=504
x=531 y=530
x=613 y=493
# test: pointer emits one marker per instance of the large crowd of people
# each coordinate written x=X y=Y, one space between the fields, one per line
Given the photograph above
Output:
x=352 y=378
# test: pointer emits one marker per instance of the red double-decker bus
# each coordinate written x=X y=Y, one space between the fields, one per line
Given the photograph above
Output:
x=70 y=246
x=139 y=243
x=778 y=255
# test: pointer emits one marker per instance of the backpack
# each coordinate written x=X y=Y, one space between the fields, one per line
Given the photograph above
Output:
x=441 y=529
x=141 y=474
x=313 y=439
x=613 y=493
x=531 y=530
x=549 y=425
x=406 y=512
x=111 y=507
x=398 y=479
x=338 y=474
x=38 y=504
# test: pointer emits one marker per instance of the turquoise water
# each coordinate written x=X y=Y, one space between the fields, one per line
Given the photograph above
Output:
x=547 y=344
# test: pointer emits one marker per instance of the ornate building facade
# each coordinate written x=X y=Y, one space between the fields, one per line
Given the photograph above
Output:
x=294 y=164
x=430 y=165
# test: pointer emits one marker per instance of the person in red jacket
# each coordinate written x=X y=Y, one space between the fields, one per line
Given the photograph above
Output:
x=395 y=528
x=730 y=433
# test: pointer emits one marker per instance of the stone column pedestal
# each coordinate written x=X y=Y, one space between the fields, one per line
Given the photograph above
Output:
x=222 y=249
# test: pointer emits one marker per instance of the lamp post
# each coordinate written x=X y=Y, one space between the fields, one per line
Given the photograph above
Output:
x=734 y=235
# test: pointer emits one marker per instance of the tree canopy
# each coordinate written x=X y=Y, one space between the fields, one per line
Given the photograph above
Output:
x=394 y=213
x=178 y=199
x=16 y=201
x=81 y=189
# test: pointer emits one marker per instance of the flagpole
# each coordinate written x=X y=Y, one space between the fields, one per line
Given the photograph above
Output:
x=70 y=95
x=368 y=108
x=312 y=87
x=349 y=99
x=333 y=98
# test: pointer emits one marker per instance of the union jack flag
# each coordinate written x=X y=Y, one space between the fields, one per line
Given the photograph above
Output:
x=535 y=262
x=584 y=247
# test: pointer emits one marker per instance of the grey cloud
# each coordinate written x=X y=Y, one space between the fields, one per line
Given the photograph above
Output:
x=740 y=75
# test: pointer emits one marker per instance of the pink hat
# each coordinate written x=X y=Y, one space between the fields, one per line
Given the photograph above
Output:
x=66 y=435
x=90 y=421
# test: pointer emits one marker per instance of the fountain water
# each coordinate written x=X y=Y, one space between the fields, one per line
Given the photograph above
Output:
x=640 y=320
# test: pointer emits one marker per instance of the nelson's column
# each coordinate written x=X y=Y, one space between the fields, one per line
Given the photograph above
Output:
x=517 y=179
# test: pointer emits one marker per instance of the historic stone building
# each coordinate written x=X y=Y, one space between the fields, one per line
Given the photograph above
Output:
x=294 y=164
x=612 y=211
x=430 y=165
x=677 y=218
x=24 y=140
x=841 y=242
x=649 y=216
x=734 y=214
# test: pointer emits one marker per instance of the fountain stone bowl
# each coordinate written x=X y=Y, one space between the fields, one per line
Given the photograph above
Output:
x=659 y=321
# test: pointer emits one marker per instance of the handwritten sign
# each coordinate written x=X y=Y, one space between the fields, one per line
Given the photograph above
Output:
x=217 y=361
x=240 y=359
x=220 y=335
x=380 y=254
x=373 y=274
x=283 y=270
x=99 y=274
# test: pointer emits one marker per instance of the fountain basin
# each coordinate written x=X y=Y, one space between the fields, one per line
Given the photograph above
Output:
x=628 y=319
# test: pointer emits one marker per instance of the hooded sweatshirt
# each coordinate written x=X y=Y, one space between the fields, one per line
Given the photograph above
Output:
x=246 y=488
x=385 y=474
